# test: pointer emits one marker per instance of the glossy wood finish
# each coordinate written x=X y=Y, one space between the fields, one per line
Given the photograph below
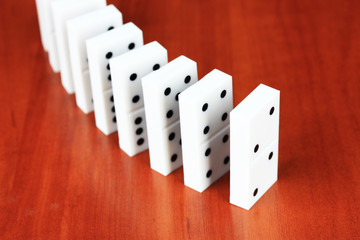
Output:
x=61 y=178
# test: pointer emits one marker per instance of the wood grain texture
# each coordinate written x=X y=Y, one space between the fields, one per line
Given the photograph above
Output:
x=61 y=178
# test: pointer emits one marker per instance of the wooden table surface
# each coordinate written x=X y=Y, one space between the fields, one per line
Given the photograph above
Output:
x=61 y=178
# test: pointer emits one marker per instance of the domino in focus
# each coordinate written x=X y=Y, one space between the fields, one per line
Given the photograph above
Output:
x=126 y=72
x=161 y=95
x=100 y=50
x=79 y=30
x=204 y=117
x=254 y=146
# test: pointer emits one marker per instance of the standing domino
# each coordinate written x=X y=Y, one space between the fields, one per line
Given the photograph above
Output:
x=40 y=13
x=126 y=72
x=100 y=49
x=79 y=30
x=254 y=146
x=62 y=11
x=161 y=90
x=204 y=110
x=49 y=33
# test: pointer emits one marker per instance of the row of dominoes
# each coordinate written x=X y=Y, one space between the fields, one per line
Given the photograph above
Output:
x=159 y=105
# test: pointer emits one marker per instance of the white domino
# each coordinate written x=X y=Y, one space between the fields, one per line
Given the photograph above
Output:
x=254 y=146
x=49 y=33
x=204 y=117
x=126 y=72
x=79 y=30
x=63 y=11
x=47 y=28
x=41 y=18
x=100 y=50
x=161 y=90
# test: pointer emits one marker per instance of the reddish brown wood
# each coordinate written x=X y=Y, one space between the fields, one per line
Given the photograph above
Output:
x=61 y=178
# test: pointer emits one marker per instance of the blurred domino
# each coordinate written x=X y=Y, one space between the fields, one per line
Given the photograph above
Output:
x=47 y=28
x=79 y=30
x=100 y=49
x=126 y=72
x=254 y=146
x=63 y=11
x=204 y=110
x=40 y=13
x=161 y=90
x=49 y=33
